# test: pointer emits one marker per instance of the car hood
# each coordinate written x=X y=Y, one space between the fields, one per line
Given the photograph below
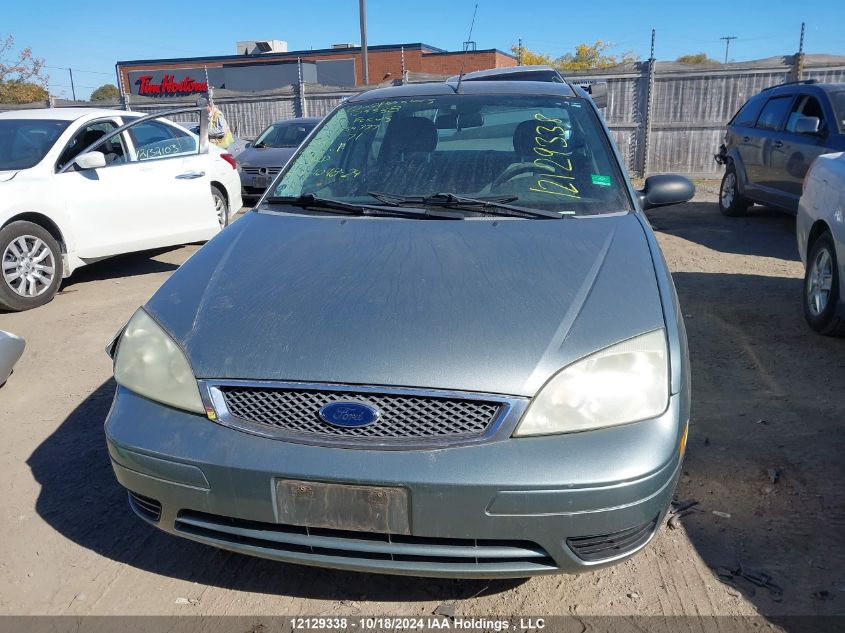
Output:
x=7 y=175
x=472 y=305
x=265 y=156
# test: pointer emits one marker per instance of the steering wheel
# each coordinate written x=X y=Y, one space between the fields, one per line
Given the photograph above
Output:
x=514 y=170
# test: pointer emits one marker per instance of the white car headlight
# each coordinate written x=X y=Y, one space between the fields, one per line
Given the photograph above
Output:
x=149 y=363
x=623 y=383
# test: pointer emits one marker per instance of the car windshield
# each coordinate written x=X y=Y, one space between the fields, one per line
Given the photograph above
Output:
x=538 y=152
x=838 y=101
x=24 y=142
x=286 y=134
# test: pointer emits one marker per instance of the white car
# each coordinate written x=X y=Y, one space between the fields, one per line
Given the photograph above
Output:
x=148 y=186
x=820 y=228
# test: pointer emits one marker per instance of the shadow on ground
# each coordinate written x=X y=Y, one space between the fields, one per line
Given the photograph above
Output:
x=763 y=232
x=119 y=266
x=81 y=499
x=766 y=431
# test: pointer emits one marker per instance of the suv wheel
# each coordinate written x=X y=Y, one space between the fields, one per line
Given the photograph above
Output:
x=31 y=266
x=730 y=202
x=821 y=288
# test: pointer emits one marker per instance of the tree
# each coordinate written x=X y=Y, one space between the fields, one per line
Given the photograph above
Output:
x=106 y=92
x=696 y=58
x=22 y=79
x=585 y=57
x=590 y=56
x=530 y=58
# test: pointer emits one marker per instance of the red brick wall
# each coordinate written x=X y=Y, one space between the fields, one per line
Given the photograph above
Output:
x=452 y=63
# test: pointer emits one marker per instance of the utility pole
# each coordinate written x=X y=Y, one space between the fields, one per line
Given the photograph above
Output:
x=728 y=39
x=519 y=53
x=72 y=89
x=363 y=13
x=801 y=42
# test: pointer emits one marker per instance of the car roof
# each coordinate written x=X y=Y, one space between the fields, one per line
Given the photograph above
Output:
x=535 y=72
x=475 y=87
x=802 y=86
x=299 y=119
x=60 y=114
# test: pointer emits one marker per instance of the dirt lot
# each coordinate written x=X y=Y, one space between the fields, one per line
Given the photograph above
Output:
x=767 y=394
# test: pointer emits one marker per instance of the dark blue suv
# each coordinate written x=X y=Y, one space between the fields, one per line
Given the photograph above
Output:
x=772 y=141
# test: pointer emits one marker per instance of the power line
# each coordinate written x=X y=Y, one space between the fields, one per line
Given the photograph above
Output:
x=79 y=70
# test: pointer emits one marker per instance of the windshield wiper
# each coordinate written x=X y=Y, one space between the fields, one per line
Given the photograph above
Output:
x=352 y=208
x=491 y=206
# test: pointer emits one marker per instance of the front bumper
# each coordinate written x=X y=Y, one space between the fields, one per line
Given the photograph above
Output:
x=507 y=508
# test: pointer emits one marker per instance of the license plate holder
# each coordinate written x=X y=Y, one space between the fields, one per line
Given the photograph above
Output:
x=342 y=506
x=260 y=182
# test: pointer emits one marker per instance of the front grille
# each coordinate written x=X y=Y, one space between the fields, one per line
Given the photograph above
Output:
x=403 y=417
x=256 y=171
x=361 y=548
x=147 y=508
x=604 y=546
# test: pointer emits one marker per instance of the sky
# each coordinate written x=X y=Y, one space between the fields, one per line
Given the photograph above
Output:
x=91 y=36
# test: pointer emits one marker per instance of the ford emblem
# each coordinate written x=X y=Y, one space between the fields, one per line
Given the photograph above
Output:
x=349 y=414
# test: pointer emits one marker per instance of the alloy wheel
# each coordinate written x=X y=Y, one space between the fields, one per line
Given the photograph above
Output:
x=820 y=282
x=29 y=266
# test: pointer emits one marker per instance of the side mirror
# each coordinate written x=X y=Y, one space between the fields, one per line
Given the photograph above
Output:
x=90 y=160
x=665 y=189
x=807 y=125
x=248 y=144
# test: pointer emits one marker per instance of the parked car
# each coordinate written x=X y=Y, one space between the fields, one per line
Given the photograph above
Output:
x=261 y=161
x=773 y=139
x=63 y=206
x=11 y=349
x=444 y=343
x=821 y=244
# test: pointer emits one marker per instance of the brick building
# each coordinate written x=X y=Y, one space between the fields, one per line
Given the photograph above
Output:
x=336 y=66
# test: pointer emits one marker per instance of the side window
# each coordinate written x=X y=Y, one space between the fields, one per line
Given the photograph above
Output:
x=805 y=106
x=154 y=139
x=774 y=112
x=747 y=115
x=114 y=150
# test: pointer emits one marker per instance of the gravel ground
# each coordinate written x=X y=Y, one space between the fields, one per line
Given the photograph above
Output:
x=766 y=395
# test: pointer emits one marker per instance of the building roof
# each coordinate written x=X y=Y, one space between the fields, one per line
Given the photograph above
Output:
x=426 y=48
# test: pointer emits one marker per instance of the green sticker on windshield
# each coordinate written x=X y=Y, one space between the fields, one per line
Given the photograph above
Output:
x=601 y=181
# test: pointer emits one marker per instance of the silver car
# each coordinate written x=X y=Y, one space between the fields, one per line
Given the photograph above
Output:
x=260 y=162
x=444 y=343
x=820 y=229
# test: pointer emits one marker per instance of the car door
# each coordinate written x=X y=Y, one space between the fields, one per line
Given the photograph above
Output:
x=157 y=193
x=768 y=132
x=797 y=149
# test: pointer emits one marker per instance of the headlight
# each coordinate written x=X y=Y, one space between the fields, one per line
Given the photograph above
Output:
x=149 y=363
x=623 y=383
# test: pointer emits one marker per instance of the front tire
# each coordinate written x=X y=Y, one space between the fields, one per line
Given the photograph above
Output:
x=31 y=266
x=221 y=206
x=731 y=203
x=821 y=288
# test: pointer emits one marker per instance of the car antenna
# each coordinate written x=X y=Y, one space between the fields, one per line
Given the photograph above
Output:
x=466 y=48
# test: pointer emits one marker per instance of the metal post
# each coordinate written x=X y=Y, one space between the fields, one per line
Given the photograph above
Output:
x=365 y=69
x=519 y=53
x=402 y=51
x=72 y=89
x=301 y=89
x=798 y=66
x=649 y=105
